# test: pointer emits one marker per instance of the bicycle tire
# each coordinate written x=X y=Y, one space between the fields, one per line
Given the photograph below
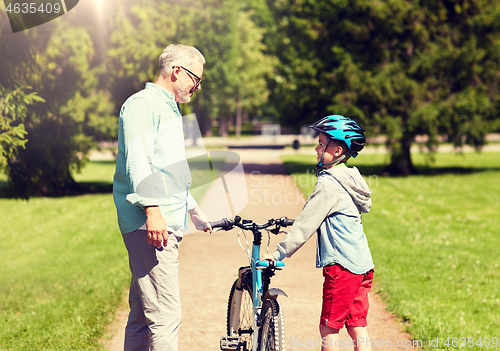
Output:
x=272 y=332
x=241 y=325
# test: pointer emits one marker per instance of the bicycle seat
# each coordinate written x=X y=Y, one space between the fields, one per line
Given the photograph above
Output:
x=274 y=264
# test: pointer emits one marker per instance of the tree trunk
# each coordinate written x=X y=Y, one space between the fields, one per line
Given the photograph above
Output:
x=401 y=163
x=239 y=110
x=202 y=118
x=223 y=127
x=71 y=186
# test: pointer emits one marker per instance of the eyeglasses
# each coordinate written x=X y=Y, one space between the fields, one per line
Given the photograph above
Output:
x=197 y=79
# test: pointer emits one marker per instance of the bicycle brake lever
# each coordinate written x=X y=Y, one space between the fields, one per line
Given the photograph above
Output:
x=275 y=230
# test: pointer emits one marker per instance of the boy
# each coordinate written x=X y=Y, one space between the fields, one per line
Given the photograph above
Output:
x=334 y=211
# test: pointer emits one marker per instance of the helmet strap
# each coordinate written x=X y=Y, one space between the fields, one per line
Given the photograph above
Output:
x=320 y=165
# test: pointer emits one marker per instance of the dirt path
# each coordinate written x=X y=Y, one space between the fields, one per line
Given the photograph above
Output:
x=209 y=263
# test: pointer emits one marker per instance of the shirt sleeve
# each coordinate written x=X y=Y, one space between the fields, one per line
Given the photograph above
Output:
x=146 y=182
x=191 y=202
x=322 y=203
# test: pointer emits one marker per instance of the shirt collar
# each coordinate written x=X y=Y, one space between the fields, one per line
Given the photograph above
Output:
x=165 y=95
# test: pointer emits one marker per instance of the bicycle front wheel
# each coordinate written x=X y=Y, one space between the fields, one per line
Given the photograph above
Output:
x=272 y=333
x=240 y=314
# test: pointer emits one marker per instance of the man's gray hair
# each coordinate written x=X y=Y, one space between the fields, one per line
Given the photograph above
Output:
x=177 y=55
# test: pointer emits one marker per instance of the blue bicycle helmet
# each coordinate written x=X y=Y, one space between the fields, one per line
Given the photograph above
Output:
x=338 y=127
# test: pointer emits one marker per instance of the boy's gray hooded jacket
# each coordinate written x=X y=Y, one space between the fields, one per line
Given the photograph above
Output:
x=334 y=211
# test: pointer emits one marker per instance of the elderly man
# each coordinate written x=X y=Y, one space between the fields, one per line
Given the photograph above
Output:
x=151 y=194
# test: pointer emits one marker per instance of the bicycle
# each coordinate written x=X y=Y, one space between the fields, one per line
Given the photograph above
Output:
x=254 y=315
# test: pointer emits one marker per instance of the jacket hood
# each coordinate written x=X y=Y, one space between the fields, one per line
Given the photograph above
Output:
x=354 y=183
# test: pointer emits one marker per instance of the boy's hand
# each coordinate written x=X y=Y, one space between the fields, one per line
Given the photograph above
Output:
x=267 y=257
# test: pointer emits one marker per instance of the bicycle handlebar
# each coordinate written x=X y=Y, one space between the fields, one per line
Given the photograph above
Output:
x=228 y=224
x=224 y=223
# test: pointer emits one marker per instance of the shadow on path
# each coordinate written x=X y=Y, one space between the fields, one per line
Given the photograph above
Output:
x=80 y=188
x=273 y=168
x=298 y=167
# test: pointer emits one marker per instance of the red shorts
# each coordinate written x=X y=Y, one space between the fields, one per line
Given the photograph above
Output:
x=345 y=297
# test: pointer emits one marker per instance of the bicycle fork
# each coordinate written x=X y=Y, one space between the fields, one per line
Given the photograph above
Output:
x=260 y=293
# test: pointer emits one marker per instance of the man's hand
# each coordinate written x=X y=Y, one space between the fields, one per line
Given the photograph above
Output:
x=200 y=219
x=267 y=257
x=157 y=228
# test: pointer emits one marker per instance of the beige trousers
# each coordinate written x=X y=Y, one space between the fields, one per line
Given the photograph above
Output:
x=155 y=308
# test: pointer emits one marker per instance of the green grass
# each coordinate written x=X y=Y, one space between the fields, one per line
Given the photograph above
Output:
x=63 y=268
x=96 y=172
x=434 y=239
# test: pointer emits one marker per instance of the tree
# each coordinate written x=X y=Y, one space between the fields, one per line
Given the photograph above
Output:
x=13 y=110
x=400 y=68
x=61 y=125
x=215 y=35
x=253 y=67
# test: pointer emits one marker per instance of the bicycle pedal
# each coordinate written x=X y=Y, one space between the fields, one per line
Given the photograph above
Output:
x=230 y=343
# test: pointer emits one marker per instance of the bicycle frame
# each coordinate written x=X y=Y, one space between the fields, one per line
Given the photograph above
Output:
x=259 y=287
x=261 y=271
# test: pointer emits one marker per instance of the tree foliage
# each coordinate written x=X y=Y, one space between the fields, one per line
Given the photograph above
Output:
x=13 y=109
x=63 y=67
x=67 y=113
x=400 y=67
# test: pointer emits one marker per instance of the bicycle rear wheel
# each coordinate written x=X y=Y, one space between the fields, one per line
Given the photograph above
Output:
x=240 y=314
x=272 y=332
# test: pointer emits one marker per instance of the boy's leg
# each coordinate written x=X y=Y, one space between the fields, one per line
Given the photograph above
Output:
x=339 y=291
x=360 y=337
x=356 y=323
x=329 y=336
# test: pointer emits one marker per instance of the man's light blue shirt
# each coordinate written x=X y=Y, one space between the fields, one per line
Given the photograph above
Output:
x=151 y=166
